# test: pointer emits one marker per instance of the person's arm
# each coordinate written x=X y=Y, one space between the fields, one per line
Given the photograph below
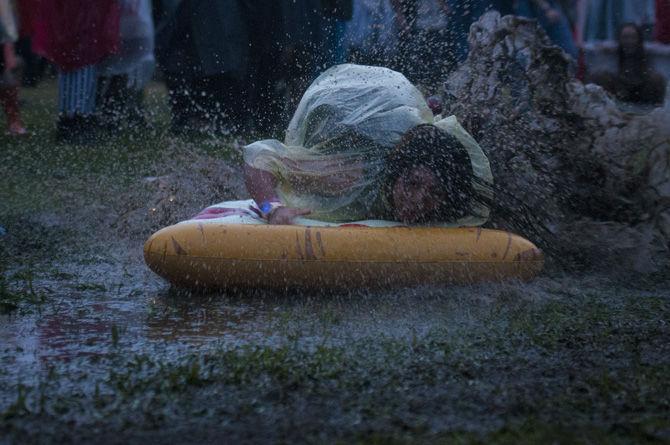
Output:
x=261 y=186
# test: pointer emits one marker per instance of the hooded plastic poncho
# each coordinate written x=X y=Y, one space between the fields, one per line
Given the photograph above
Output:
x=333 y=158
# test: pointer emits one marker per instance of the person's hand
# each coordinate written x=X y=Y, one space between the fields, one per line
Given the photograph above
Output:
x=286 y=215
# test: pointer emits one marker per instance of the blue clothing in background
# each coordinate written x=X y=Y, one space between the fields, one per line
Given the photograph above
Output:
x=605 y=17
x=76 y=91
x=371 y=36
x=462 y=14
x=332 y=49
x=559 y=32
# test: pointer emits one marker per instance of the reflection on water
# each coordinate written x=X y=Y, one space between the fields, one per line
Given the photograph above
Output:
x=83 y=323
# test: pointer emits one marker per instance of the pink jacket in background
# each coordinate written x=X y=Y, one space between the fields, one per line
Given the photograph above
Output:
x=74 y=33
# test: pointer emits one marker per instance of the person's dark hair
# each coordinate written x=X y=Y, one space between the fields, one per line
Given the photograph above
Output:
x=443 y=154
x=639 y=56
x=427 y=145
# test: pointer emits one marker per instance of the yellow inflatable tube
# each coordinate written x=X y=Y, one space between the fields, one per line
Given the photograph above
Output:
x=236 y=250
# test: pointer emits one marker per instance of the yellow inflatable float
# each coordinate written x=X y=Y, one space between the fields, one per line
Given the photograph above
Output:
x=228 y=245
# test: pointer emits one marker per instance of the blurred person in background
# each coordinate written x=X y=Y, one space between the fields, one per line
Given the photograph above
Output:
x=461 y=14
x=371 y=37
x=434 y=34
x=334 y=15
x=425 y=52
x=604 y=18
x=553 y=19
x=307 y=39
x=301 y=22
x=77 y=35
x=124 y=75
x=203 y=49
x=635 y=81
x=11 y=78
x=263 y=99
x=34 y=65
x=311 y=39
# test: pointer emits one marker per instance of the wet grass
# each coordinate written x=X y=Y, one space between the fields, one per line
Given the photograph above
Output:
x=494 y=382
x=17 y=290
x=40 y=172
x=572 y=359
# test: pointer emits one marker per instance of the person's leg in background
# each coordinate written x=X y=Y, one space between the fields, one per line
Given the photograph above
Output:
x=228 y=95
x=176 y=53
x=462 y=14
x=35 y=66
x=10 y=103
x=119 y=105
x=181 y=93
x=124 y=75
x=264 y=99
x=9 y=90
x=336 y=14
x=553 y=20
x=333 y=51
x=76 y=105
x=558 y=28
x=218 y=104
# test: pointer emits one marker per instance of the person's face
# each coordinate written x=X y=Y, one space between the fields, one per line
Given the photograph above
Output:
x=416 y=195
x=630 y=40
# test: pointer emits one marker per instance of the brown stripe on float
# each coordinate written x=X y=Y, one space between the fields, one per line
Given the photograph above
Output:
x=509 y=244
x=320 y=243
x=177 y=248
x=309 y=249
x=201 y=228
x=298 y=249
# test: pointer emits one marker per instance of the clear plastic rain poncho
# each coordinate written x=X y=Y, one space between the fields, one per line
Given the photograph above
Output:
x=333 y=159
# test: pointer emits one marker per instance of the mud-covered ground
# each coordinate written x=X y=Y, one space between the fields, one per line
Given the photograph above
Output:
x=94 y=347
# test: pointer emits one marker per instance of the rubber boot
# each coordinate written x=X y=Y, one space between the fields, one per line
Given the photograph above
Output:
x=10 y=102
